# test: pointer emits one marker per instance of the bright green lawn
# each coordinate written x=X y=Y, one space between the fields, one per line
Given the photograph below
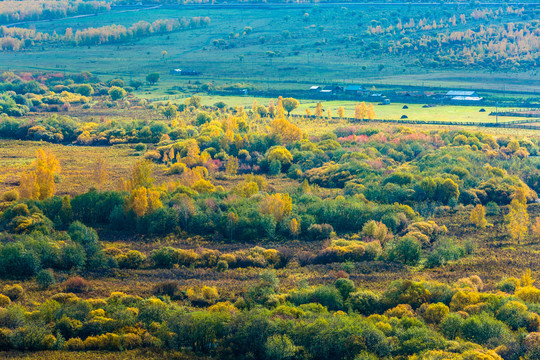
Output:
x=385 y=112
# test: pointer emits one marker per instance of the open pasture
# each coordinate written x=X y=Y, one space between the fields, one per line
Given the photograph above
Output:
x=279 y=49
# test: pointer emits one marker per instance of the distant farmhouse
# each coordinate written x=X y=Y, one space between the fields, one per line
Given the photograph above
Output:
x=355 y=90
x=459 y=95
x=185 y=72
x=331 y=89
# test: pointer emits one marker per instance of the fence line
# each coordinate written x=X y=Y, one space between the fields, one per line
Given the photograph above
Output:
x=505 y=124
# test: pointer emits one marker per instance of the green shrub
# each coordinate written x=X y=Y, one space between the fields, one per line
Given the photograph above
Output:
x=45 y=278
x=416 y=339
x=319 y=231
x=280 y=347
x=328 y=296
x=435 y=313
x=451 y=325
x=132 y=260
x=483 y=329
x=406 y=250
x=365 y=302
x=492 y=209
x=406 y=292
x=74 y=344
x=222 y=265
x=514 y=314
x=164 y=257
x=345 y=287
x=508 y=285
x=18 y=262
x=140 y=147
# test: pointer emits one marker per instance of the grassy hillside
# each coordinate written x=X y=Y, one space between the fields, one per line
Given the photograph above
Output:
x=287 y=49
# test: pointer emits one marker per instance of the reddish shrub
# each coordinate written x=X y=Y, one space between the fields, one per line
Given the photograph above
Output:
x=76 y=285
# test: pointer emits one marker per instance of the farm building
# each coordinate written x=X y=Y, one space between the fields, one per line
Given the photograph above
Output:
x=331 y=89
x=355 y=90
x=463 y=93
x=467 y=98
x=315 y=88
x=185 y=72
x=460 y=95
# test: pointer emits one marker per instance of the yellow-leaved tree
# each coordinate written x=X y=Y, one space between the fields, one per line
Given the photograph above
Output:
x=289 y=104
x=279 y=206
x=478 y=216
x=371 y=112
x=38 y=184
x=285 y=130
x=517 y=220
x=143 y=198
x=361 y=111
x=231 y=168
x=318 y=110
x=294 y=228
x=143 y=201
x=280 y=111
x=141 y=176
x=341 y=112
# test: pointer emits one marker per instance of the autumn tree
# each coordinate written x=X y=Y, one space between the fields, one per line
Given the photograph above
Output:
x=478 y=216
x=141 y=176
x=361 y=111
x=255 y=108
x=341 y=112
x=278 y=206
x=232 y=166
x=99 y=173
x=517 y=220
x=280 y=111
x=318 y=110
x=39 y=184
x=143 y=201
x=271 y=108
x=116 y=93
x=289 y=104
x=294 y=228
x=371 y=112
x=185 y=206
x=28 y=186
x=376 y=230
x=288 y=132
x=170 y=111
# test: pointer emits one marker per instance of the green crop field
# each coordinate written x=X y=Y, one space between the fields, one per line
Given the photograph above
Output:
x=394 y=111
